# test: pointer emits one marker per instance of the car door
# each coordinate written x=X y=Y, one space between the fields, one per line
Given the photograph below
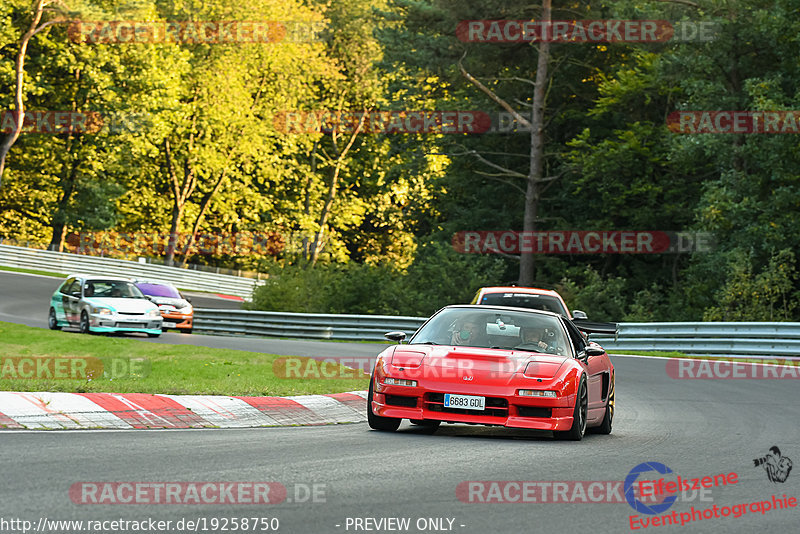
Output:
x=59 y=299
x=595 y=370
x=71 y=301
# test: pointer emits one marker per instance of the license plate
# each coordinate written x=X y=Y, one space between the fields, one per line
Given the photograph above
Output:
x=168 y=325
x=465 y=402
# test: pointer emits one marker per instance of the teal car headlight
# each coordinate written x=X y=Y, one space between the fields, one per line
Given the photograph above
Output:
x=153 y=313
x=101 y=311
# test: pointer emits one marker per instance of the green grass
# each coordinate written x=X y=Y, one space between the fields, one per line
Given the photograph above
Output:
x=31 y=271
x=157 y=368
x=663 y=354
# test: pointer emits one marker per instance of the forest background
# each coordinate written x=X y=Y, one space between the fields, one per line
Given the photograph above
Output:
x=193 y=144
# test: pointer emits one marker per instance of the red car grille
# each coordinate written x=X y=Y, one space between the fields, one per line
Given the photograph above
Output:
x=535 y=411
x=495 y=406
x=399 y=400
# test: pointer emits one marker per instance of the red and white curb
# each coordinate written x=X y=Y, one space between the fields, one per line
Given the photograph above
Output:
x=50 y=411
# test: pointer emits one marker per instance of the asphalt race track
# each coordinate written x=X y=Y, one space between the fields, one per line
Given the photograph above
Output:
x=697 y=428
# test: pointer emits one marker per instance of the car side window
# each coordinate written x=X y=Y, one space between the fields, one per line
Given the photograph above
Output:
x=576 y=337
x=74 y=289
x=64 y=289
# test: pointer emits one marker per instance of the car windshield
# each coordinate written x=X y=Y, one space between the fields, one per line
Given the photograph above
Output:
x=525 y=300
x=111 y=288
x=494 y=329
x=158 y=290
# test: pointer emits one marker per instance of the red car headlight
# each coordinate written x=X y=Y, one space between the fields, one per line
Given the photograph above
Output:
x=399 y=382
x=537 y=393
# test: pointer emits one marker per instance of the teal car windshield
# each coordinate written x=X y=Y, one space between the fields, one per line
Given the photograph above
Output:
x=111 y=288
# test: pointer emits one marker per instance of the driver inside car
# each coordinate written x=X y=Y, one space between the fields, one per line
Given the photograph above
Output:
x=467 y=332
x=542 y=338
x=533 y=335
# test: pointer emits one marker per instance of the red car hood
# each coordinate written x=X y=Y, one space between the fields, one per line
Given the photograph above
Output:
x=487 y=364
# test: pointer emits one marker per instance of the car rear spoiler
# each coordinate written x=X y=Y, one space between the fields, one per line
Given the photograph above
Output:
x=593 y=327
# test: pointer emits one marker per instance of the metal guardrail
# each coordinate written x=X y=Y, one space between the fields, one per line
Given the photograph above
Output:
x=749 y=339
x=722 y=339
x=303 y=325
x=67 y=263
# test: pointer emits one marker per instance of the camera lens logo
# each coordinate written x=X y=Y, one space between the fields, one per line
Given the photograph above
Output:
x=630 y=485
x=777 y=466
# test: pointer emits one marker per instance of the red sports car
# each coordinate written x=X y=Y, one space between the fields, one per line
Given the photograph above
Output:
x=494 y=365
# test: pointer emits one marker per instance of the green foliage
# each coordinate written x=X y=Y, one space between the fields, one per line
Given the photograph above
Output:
x=438 y=276
x=768 y=295
x=602 y=299
x=398 y=199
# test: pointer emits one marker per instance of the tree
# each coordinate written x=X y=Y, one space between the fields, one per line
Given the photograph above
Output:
x=36 y=26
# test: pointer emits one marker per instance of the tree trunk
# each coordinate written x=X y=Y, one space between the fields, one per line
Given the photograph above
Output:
x=316 y=245
x=307 y=201
x=527 y=262
x=181 y=191
x=68 y=182
x=204 y=204
x=19 y=71
x=177 y=215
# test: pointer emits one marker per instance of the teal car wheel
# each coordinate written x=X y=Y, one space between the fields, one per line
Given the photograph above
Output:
x=84 y=326
x=52 y=320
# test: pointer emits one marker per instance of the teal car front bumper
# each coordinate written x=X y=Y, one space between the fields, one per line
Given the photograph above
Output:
x=116 y=322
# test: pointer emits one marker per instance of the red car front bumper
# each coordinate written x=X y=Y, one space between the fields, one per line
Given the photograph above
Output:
x=504 y=406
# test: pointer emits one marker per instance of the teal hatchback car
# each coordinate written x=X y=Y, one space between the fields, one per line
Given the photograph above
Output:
x=102 y=304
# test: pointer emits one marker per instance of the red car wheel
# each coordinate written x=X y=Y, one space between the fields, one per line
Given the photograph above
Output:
x=605 y=428
x=376 y=422
x=578 y=416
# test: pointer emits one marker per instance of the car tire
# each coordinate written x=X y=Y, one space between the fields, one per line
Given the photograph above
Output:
x=152 y=335
x=608 y=418
x=52 y=320
x=84 y=324
x=187 y=331
x=578 y=429
x=376 y=422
